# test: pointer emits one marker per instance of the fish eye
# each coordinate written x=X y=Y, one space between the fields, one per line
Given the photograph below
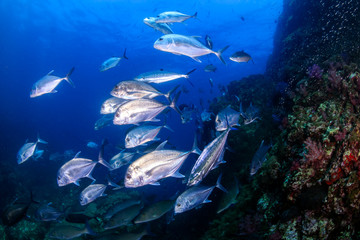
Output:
x=178 y=205
x=160 y=39
x=127 y=139
x=128 y=176
x=117 y=115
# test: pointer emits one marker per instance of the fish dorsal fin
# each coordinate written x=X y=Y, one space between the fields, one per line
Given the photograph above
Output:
x=77 y=155
x=196 y=36
x=50 y=72
x=161 y=146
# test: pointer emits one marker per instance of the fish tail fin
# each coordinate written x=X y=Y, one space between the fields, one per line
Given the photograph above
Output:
x=195 y=16
x=195 y=148
x=168 y=128
x=173 y=103
x=124 y=55
x=101 y=158
x=67 y=77
x=218 y=184
x=39 y=140
x=168 y=95
x=88 y=229
x=218 y=54
x=187 y=74
x=112 y=184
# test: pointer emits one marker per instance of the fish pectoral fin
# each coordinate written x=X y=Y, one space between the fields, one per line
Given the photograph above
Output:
x=154 y=120
x=77 y=183
x=50 y=72
x=178 y=175
x=196 y=59
x=155 y=184
x=207 y=201
x=54 y=91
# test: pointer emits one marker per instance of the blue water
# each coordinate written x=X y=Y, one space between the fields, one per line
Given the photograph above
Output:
x=39 y=36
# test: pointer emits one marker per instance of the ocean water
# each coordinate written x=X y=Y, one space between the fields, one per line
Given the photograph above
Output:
x=40 y=36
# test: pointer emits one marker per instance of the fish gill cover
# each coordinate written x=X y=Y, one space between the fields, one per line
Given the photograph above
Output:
x=94 y=45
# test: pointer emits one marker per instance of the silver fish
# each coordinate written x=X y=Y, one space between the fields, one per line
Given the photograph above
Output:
x=162 y=27
x=161 y=76
x=184 y=45
x=91 y=193
x=173 y=16
x=210 y=158
x=28 y=150
x=229 y=198
x=119 y=207
x=47 y=213
x=111 y=105
x=195 y=196
x=131 y=90
x=206 y=116
x=209 y=42
x=121 y=159
x=103 y=122
x=48 y=83
x=240 y=56
x=156 y=165
x=226 y=116
x=259 y=158
x=141 y=110
x=250 y=115
x=210 y=68
x=69 y=231
x=154 y=211
x=123 y=217
x=142 y=134
x=111 y=62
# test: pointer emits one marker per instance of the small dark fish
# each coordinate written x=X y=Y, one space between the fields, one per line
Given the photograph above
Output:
x=259 y=158
x=242 y=18
x=69 y=231
x=210 y=68
x=47 y=213
x=250 y=115
x=209 y=42
x=211 y=81
x=240 y=56
x=15 y=212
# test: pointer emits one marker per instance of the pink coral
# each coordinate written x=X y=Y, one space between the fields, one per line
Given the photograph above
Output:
x=315 y=154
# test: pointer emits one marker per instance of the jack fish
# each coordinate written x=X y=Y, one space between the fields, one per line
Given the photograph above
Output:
x=173 y=16
x=111 y=105
x=48 y=84
x=103 y=122
x=91 y=193
x=184 y=45
x=162 y=27
x=123 y=217
x=28 y=150
x=240 y=56
x=142 y=134
x=161 y=76
x=69 y=231
x=229 y=198
x=154 y=211
x=227 y=116
x=259 y=158
x=111 y=62
x=121 y=159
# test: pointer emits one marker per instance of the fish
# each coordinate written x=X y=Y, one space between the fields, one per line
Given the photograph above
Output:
x=259 y=158
x=48 y=83
x=185 y=45
x=123 y=217
x=28 y=150
x=250 y=115
x=210 y=68
x=240 y=56
x=111 y=105
x=206 y=116
x=154 y=211
x=156 y=165
x=172 y=17
x=228 y=199
x=69 y=231
x=119 y=207
x=77 y=168
x=162 y=27
x=208 y=41
x=209 y=159
x=38 y=154
x=121 y=159
x=143 y=134
x=111 y=62
x=211 y=81
x=124 y=236
x=141 y=110
x=91 y=193
x=226 y=116
x=16 y=211
x=92 y=145
x=195 y=196
x=47 y=213
x=161 y=76
x=104 y=121
x=131 y=90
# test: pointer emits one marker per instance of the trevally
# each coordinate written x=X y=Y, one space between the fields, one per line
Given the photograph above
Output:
x=185 y=45
x=161 y=76
x=225 y=117
x=131 y=90
x=48 y=83
x=156 y=165
x=119 y=207
x=142 y=134
x=103 y=122
x=111 y=105
x=210 y=68
x=228 y=198
x=195 y=196
x=123 y=217
x=141 y=110
x=162 y=27
x=69 y=231
x=172 y=17
x=91 y=193
x=154 y=211
x=240 y=56
x=111 y=62
x=28 y=150
x=121 y=159
x=259 y=158
x=47 y=213
x=38 y=154
x=210 y=158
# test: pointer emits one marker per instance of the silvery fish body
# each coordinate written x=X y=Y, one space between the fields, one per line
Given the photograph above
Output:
x=229 y=198
x=173 y=16
x=141 y=135
x=159 y=76
x=228 y=115
x=210 y=158
x=121 y=159
x=156 y=165
x=154 y=211
x=48 y=83
x=111 y=105
x=259 y=158
x=91 y=193
x=192 y=198
x=75 y=169
x=131 y=90
x=109 y=63
x=139 y=110
x=240 y=56
x=103 y=122
x=123 y=217
x=162 y=27
x=47 y=213
x=27 y=151
x=185 y=45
